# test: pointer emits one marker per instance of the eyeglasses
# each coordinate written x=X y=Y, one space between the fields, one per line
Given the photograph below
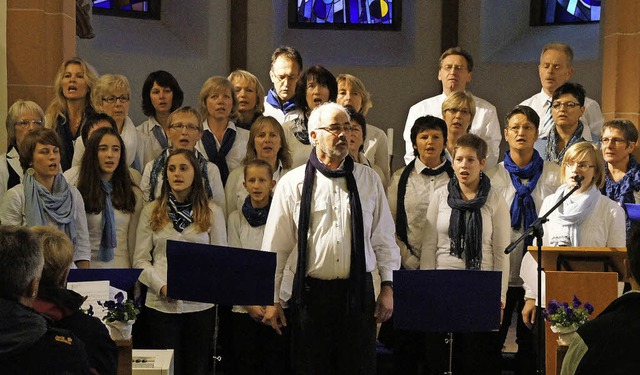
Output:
x=455 y=111
x=337 y=129
x=180 y=127
x=517 y=129
x=455 y=68
x=614 y=141
x=112 y=99
x=582 y=166
x=568 y=105
x=25 y=123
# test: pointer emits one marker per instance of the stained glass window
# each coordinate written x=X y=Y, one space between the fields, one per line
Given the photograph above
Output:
x=128 y=8
x=350 y=14
x=553 y=12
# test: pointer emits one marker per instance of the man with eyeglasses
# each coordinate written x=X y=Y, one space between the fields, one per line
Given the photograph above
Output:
x=524 y=179
x=334 y=214
x=185 y=130
x=455 y=72
x=555 y=69
x=286 y=65
x=567 y=107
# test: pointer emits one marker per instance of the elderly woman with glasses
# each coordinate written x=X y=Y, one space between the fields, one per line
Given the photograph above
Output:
x=111 y=96
x=621 y=171
x=24 y=116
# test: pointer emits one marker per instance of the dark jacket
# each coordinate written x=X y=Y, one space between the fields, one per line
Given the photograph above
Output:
x=29 y=346
x=613 y=339
x=62 y=306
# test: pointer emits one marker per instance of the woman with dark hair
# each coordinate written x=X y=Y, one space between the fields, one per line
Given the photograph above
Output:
x=250 y=94
x=356 y=142
x=182 y=212
x=23 y=117
x=71 y=105
x=161 y=95
x=113 y=201
x=266 y=142
x=45 y=197
x=224 y=144
x=316 y=86
x=468 y=227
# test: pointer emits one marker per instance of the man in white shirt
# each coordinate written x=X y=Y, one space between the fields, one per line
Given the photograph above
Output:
x=555 y=69
x=286 y=65
x=456 y=66
x=334 y=214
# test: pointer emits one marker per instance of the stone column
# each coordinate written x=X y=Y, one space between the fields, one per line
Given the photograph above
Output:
x=621 y=61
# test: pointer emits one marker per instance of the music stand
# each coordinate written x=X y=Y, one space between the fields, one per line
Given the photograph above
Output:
x=460 y=301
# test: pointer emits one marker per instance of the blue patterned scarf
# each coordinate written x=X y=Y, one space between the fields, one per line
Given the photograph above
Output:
x=108 y=242
x=552 y=153
x=181 y=214
x=622 y=191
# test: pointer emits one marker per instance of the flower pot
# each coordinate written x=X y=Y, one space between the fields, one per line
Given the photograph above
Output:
x=565 y=334
x=120 y=330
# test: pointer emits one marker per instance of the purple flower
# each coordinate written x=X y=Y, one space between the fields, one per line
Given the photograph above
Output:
x=576 y=302
x=589 y=308
x=119 y=297
x=553 y=306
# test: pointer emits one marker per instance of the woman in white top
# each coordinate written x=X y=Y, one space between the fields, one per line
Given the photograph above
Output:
x=250 y=94
x=359 y=130
x=266 y=142
x=111 y=95
x=181 y=213
x=44 y=197
x=161 y=95
x=351 y=91
x=23 y=117
x=112 y=201
x=316 y=86
x=458 y=111
x=468 y=227
x=222 y=142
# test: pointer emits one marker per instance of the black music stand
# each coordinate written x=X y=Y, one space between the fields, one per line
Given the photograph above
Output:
x=459 y=301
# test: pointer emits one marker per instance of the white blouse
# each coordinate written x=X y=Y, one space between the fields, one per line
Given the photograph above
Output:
x=151 y=255
x=238 y=150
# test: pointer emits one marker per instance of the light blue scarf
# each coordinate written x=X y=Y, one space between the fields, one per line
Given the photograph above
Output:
x=108 y=242
x=42 y=205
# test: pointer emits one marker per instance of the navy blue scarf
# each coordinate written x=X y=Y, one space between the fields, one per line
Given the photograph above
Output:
x=255 y=216
x=523 y=207
x=218 y=157
x=181 y=214
x=274 y=101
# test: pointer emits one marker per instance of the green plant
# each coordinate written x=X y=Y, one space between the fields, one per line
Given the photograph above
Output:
x=120 y=310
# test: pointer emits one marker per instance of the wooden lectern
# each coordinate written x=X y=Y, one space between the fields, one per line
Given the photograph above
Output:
x=591 y=273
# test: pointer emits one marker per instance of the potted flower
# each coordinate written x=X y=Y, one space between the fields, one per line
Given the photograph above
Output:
x=120 y=316
x=565 y=319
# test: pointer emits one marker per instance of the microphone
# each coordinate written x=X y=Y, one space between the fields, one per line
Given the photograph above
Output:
x=578 y=178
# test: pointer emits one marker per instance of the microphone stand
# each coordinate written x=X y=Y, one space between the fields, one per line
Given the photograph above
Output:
x=536 y=229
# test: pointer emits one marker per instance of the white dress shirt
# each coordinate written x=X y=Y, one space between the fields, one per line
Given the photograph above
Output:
x=151 y=256
x=129 y=136
x=148 y=146
x=592 y=117
x=501 y=182
x=376 y=149
x=13 y=160
x=214 y=181
x=495 y=237
x=419 y=193
x=235 y=192
x=12 y=213
x=238 y=150
x=329 y=240
x=485 y=124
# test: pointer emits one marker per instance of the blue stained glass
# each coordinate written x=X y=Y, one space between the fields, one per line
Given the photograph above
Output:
x=354 y=12
x=572 y=11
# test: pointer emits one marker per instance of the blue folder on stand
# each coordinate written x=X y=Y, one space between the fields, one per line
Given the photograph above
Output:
x=220 y=274
x=121 y=278
x=447 y=300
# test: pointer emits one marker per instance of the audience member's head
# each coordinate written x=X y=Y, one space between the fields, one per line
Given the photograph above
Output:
x=633 y=254
x=21 y=263
x=57 y=251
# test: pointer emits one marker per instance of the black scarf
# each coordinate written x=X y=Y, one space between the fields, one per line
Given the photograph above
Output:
x=218 y=157
x=466 y=234
x=401 y=213
x=357 y=270
x=14 y=178
x=255 y=216
x=181 y=214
